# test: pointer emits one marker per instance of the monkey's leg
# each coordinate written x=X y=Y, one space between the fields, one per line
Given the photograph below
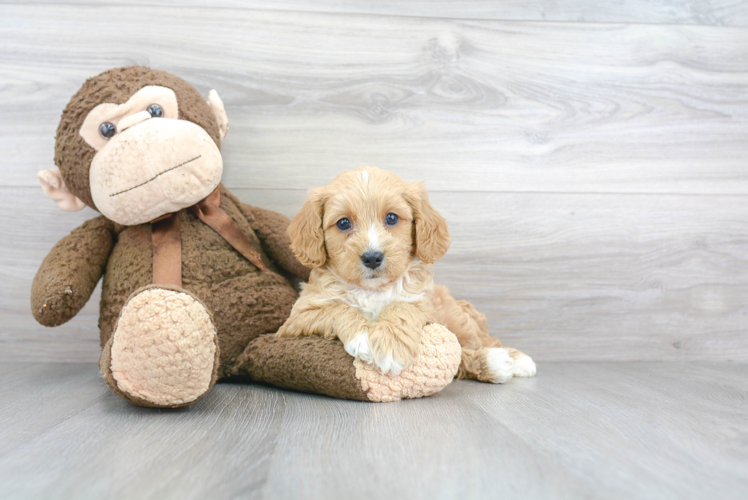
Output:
x=164 y=349
x=316 y=364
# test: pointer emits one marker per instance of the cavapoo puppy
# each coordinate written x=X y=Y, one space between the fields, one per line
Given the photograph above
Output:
x=371 y=240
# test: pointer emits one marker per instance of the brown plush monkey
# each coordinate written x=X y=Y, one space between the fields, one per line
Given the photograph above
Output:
x=193 y=278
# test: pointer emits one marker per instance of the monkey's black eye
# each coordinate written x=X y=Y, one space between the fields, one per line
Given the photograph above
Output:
x=107 y=130
x=155 y=110
x=344 y=224
x=391 y=219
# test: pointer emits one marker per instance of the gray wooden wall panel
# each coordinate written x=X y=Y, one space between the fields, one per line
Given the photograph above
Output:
x=469 y=105
x=594 y=175
x=561 y=276
x=700 y=12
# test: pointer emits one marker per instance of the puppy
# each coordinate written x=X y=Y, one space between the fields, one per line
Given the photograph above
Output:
x=371 y=240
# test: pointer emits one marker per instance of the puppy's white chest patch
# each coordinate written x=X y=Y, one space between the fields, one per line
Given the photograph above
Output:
x=371 y=302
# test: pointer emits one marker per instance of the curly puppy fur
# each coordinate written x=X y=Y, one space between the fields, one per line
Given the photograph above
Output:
x=378 y=310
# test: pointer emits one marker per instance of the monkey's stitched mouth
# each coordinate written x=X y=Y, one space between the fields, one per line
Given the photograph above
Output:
x=157 y=176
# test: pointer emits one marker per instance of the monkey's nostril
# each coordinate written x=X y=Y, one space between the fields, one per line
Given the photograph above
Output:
x=372 y=260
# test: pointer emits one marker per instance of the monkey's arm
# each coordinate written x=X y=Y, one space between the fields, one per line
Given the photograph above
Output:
x=272 y=229
x=69 y=273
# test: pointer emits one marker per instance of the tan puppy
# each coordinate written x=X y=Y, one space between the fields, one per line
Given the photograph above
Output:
x=371 y=240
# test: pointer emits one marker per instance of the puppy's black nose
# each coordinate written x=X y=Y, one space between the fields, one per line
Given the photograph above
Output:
x=372 y=260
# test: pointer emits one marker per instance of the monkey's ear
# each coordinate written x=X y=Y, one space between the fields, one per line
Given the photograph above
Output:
x=54 y=187
x=216 y=104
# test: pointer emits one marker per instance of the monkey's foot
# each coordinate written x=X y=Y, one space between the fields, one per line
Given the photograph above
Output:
x=430 y=372
x=164 y=349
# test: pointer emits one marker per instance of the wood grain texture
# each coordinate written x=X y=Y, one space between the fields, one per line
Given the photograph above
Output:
x=469 y=105
x=560 y=276
x=594 y=175
x=590 y=430
x=700 y=12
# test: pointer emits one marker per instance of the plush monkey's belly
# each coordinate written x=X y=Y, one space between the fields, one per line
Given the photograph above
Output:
x=244 y=301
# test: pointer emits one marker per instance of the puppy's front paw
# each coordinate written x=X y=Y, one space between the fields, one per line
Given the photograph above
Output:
x=358 y=347
x=292 y=329
x=389 y=364
x=393 y=348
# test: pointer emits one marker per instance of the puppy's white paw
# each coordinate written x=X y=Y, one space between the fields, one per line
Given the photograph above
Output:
x=500 y=365
x=359 y=347
x=388 y=364
x=524 y=366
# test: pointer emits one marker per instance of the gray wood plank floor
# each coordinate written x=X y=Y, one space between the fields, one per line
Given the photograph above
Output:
x=590 y=430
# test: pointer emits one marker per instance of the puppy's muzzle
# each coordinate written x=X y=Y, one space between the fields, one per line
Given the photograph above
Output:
x=372 y=260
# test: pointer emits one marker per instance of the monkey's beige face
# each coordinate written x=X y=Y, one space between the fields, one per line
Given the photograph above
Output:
x=368 y=227
x=148 y=161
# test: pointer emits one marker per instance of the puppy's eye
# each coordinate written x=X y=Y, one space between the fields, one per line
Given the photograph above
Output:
x=391 y=219
x=107 y=130
x=344 y=224
x=155 y=110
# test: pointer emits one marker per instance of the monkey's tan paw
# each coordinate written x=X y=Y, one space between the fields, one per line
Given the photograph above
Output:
x=433 y=368
x=164 y=349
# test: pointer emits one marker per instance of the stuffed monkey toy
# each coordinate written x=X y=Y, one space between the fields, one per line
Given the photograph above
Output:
x=195 y=282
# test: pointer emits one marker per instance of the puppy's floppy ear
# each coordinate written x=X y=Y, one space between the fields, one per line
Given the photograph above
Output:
x=307 y=236
x=431 y=235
